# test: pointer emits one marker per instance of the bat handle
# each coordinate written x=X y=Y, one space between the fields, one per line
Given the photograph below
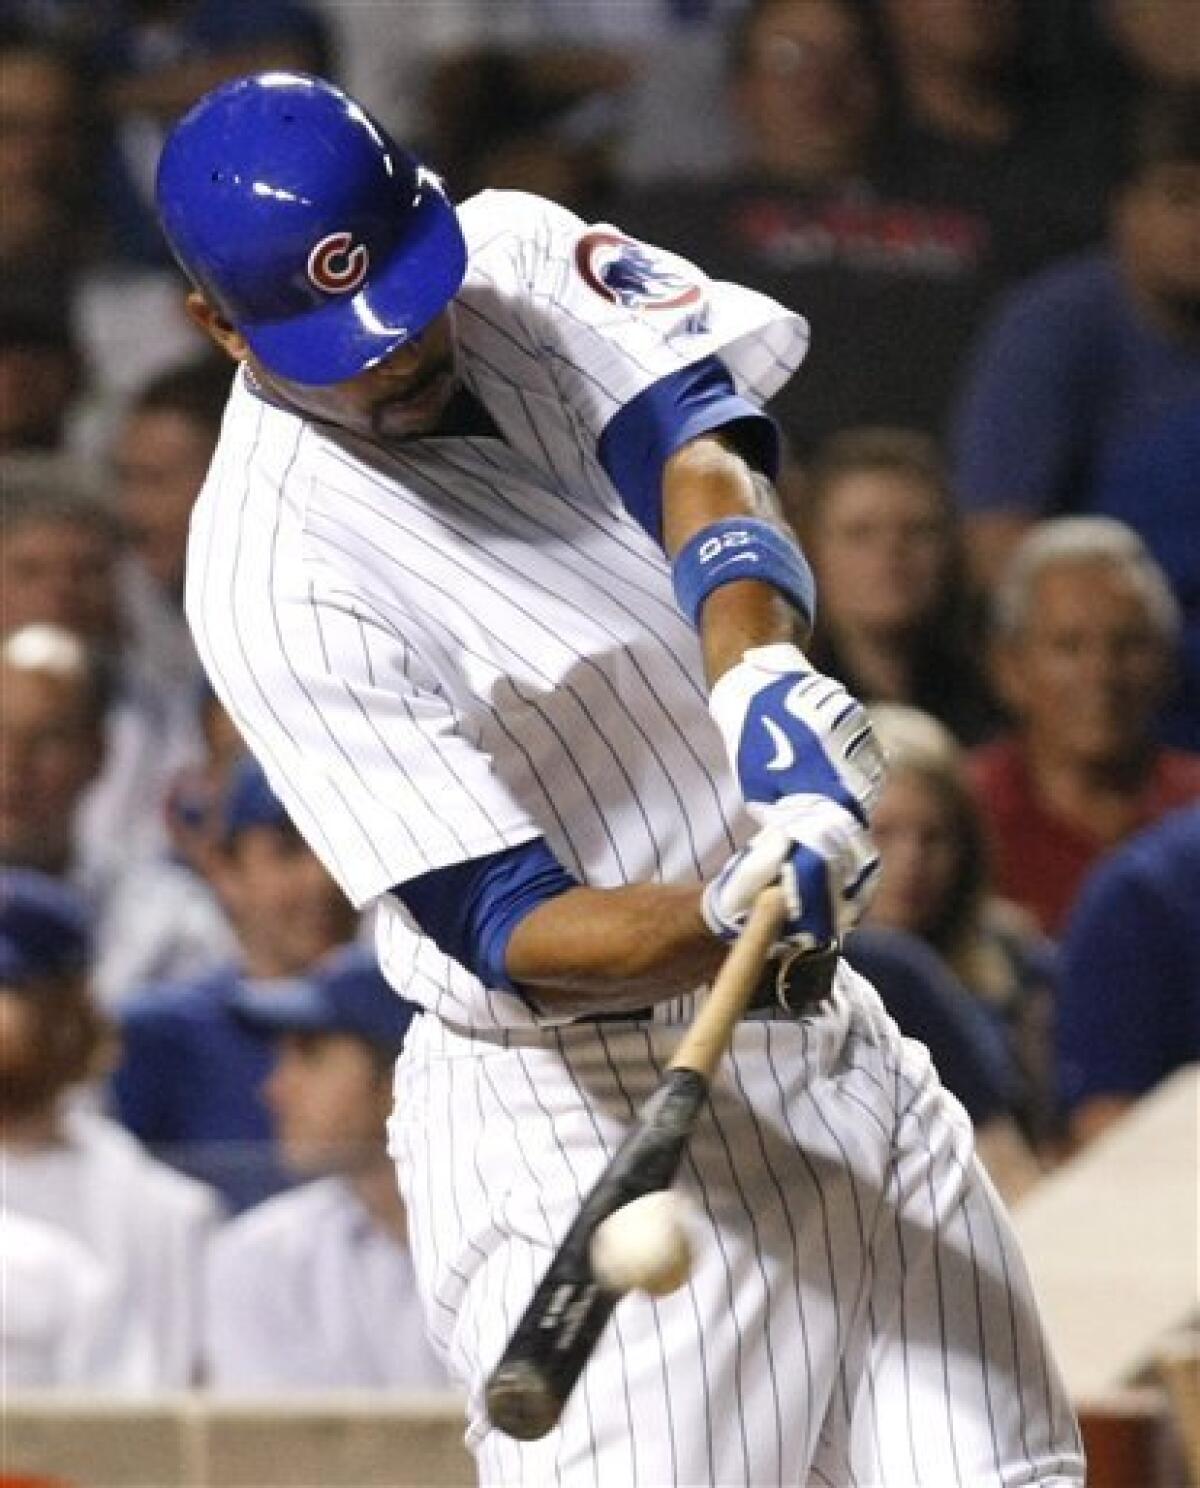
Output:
x=706 y=1040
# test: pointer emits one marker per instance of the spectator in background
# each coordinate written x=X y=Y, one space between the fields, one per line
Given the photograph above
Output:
x=71 y=1169
x=315 y=1288
x=67 y=23
x=892 y=287
x=611 y=82
x=1085 y=631
x=1155 y=39
x=672 y=58
x=1129 y=1003
x=533 y=119
x=974 y=126
x=163 y=448
x=61 y=552
x=162 y=456
x=931 y=1005
x=60 y=1326
x=155 y=58
x=635 y=69
x=1084 y=394
x=189 y=1080
x=936 y=885
x=45 y=166
x=387 y=66
x=195 y=800
x=152 y=918
x=1124 y=52
x=897 y=621
x=64 y=563
x=41 y=373
x=75 y=338
x=91 y=87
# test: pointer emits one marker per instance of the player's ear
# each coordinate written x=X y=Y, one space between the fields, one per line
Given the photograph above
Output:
x=213 y=323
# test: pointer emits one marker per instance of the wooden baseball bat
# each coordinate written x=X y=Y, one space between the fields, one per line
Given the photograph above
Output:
x=550 y=1346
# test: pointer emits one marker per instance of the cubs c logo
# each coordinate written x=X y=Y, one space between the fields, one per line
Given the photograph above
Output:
x=638 y=277
x=337 y=264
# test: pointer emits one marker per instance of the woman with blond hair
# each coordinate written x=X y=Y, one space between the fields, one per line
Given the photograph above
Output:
x=935 y=884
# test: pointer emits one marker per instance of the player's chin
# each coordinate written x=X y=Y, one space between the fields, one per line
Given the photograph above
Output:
x=405 y=418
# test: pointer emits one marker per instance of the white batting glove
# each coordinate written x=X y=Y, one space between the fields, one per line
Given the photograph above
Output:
x=821 y=856
x=792 y=731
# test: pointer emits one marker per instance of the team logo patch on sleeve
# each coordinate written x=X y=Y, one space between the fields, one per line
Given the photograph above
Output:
x=337 y=264
x=634 y=275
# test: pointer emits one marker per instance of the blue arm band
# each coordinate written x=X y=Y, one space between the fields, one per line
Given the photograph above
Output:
x=738 y=548
x=470 y=910
x=643 y=435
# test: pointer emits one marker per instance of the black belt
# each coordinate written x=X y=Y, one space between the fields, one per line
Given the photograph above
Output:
x=806 y=983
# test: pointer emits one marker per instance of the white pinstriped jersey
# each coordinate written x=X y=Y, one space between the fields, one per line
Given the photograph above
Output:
x=445 y=649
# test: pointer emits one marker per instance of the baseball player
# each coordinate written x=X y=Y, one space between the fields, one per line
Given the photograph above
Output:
x=488 y=570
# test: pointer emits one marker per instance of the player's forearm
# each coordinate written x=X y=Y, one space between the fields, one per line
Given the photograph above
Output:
x=740 y=616
x=613 y=948
x=705 y=482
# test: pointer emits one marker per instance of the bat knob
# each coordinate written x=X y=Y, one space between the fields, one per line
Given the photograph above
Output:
x=520 y=1402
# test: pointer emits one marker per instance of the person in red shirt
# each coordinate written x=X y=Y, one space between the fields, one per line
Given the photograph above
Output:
x=1085 y=630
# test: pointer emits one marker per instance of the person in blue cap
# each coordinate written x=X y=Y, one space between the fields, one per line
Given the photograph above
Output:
x=189 y=1079
x=315 y=1288
x=71 y=1172
x=152 y=918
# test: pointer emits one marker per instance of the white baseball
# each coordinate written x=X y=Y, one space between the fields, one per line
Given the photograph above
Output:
x=644 y=1246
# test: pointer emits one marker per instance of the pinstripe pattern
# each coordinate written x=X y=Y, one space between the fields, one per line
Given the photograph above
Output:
x=783 y=1360
x=445 y=648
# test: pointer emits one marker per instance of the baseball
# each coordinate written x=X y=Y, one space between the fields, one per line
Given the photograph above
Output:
x=644 y=1246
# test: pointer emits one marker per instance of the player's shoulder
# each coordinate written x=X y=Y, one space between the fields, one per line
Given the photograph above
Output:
x=491 y=216
x=261 y=444
x=515 y=236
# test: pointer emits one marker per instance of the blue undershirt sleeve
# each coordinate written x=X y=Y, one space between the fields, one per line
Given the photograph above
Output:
x=698 y=399
x=470 y=910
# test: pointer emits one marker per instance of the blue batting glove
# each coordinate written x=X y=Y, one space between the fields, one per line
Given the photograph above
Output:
x=792 y=731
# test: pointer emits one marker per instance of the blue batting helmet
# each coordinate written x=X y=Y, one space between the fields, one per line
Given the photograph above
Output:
x=311 y=231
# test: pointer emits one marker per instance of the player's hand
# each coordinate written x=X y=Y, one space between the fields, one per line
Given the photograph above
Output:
x=790 y=731
x=822 y=857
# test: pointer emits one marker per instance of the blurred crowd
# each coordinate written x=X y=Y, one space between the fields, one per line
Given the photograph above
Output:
x=989 y=211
